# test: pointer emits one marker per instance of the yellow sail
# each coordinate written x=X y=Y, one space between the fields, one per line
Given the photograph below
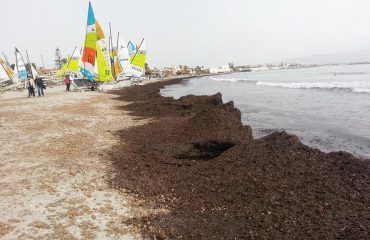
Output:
x=139 y=60
x=116 y=66
x=70 y=66
x=9 y=71
x=104 y=70
x=103 y=58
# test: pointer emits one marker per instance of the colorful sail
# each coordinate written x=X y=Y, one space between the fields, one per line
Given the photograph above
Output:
x=138 y=61
x=89 y=53
x=72 y=65
x=20 y=65
x=103 y=58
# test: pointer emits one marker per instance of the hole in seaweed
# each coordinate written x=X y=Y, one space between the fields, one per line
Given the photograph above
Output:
x=205 y=150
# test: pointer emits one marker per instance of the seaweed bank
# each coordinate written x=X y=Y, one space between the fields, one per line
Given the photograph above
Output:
x=195 y=160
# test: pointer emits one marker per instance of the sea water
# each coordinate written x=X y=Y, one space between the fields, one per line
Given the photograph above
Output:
x=327 y=107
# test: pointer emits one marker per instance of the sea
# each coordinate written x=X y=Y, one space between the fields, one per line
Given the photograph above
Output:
x=327 y=107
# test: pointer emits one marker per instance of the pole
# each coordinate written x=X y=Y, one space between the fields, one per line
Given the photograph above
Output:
x=16 y=61
x=117 y=50
x=42 y=60
x=117 y=44
x=20 y=54
x=6 y=59
x=137 y=50
x=29 y=64
x=111 y=51
x=16 y=66
x=69 y=60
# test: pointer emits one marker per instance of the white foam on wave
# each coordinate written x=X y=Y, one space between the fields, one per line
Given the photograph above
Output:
x=230 y=79
x=351 y=86
x=361 y=90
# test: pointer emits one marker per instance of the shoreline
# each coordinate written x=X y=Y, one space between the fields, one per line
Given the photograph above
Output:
x=196 y=160
x=327 y=135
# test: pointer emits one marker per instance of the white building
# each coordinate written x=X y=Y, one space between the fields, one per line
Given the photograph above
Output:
x=222 y=69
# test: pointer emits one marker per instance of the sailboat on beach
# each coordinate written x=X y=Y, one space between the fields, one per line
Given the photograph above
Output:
x=20 y=65
x=138 y=59
x=87 y=64
x=101 y=62
x=71 y=66
x=103 y=56
x=8 y=72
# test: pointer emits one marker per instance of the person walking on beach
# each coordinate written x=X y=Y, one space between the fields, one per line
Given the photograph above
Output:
x=40 y=86
x=31 y=87
x=67 y=82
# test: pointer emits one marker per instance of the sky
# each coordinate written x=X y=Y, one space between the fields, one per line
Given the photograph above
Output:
x=191 y=32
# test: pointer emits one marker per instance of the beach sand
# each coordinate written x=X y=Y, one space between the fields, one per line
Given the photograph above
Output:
x=54 y=176
x=130 y=164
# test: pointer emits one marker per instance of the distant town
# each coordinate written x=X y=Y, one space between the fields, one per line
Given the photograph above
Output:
x=51 y=73
x=185 y=70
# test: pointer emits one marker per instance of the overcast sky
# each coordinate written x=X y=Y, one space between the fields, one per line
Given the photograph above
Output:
x=193 y=32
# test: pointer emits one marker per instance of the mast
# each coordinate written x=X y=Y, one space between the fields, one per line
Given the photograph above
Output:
x=137 y=50
x=42 y=60
x=20 y=54
x=29 y=64
x=69 y=60
x=6 y=59
x=111 y=51
x=117 y=44
x=16 y=62
x=118 y=63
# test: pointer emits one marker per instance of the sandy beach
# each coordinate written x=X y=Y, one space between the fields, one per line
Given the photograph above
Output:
x=54 y=173
x=130 y=164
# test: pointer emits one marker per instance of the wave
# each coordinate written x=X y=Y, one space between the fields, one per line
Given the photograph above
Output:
x=349 y=73
x=347 y=86
x=231 y=79
x=361 y=90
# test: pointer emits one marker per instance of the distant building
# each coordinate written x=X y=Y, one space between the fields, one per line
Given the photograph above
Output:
x=222 y=69
x=50 y=73
x=243 y=68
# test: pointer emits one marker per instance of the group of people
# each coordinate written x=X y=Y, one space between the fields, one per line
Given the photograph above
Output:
x=38 y=83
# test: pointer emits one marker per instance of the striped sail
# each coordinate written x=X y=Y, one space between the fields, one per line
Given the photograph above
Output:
x=103 y=58
x=89 y=52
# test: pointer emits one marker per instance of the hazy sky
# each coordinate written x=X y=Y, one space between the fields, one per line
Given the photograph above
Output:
x=193 y=32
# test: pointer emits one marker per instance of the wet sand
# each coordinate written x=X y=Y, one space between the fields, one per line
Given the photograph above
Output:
x=208 y=178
